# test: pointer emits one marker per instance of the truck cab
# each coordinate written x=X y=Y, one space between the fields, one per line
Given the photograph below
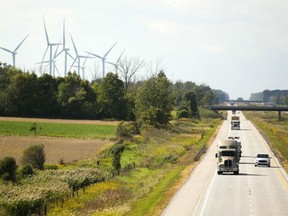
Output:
x=228 y=157
x=235 y=123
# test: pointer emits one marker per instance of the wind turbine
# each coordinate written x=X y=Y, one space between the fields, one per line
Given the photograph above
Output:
x=103 y=58
x=65 y=50
x=78 y=57
x=15 y=50
x=117 y=62
x=49 y=46
x=53 y=62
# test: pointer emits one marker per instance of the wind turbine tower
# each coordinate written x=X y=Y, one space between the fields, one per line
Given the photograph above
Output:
x=65 y=50
x=49 y=46
x=14 y=52
x=103 y=58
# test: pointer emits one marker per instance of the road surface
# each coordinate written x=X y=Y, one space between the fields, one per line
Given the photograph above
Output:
x=256 y=191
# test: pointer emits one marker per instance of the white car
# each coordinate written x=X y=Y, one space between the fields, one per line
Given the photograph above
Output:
x=262 y=159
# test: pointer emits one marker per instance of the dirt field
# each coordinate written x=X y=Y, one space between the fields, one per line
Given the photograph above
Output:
x=68 y=149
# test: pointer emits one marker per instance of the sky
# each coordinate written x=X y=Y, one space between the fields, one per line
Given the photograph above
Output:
x=239 y=47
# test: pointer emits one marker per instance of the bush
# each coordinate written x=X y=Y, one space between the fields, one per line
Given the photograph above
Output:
x=8 y=169
x=26 y=170
x=127 y=129
x=182 y=114
x=35 y=156
x=116 y=160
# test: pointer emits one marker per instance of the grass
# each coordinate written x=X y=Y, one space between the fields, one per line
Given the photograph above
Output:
x=87 y=131
x=148 y=205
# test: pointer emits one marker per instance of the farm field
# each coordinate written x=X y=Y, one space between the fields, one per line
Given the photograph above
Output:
x=56 y=149
x=66 y=140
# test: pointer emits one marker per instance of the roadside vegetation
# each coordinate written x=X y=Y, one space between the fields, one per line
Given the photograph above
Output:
x=274 y=131
x=137 y=179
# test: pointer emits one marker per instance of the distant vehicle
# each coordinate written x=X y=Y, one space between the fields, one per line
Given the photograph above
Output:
x=228 y=157
x=235 y=123
x=262 y=159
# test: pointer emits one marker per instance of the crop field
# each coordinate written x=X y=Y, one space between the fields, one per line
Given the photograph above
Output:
x=66 y=140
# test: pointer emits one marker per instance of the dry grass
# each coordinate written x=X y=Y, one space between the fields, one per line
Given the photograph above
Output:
x=68 y=149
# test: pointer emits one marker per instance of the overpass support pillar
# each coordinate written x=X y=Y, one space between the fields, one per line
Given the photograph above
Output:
x=279 y=115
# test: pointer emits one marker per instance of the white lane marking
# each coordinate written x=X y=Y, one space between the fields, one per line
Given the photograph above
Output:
x=208 y=193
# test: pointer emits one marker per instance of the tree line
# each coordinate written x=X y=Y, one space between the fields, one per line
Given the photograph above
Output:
x=24 y=94
x=279 y=97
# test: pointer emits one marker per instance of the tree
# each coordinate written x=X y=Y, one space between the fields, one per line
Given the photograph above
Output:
x=128 y=68
x=154 y=101
x=35 y=156
x=204 y=94
x=193 y=107
x=76 y=97
x=110 y=97
x=8 y=169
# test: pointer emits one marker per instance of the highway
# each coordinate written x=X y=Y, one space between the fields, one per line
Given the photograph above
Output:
x=256 y=191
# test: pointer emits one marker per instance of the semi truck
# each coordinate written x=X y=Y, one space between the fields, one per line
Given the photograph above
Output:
x=235 y=123
x=228 y=157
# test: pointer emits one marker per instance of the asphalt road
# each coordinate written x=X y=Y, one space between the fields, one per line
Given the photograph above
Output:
x=256 y=191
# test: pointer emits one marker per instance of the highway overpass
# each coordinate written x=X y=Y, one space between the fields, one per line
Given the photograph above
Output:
x=249 y=108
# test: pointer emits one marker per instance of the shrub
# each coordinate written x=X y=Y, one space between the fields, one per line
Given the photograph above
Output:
x=35 y=156
x=26 y=170
x=117 y=151
x=127 y=129
x=182 y=114
x=8 y=169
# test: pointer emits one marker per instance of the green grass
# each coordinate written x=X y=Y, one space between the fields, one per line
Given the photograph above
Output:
x=88 y=131
x=148 y=204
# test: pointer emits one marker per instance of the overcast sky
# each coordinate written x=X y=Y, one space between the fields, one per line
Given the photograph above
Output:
x=240 y=47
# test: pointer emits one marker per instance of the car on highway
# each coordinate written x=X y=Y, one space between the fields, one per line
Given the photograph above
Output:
x=262 y=159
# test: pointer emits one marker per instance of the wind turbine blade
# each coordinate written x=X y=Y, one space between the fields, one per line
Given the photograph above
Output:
x=58 y=54
x=120 y=57
x=74 y=45
x=44 y=55
x=86 y=59
x=111 y=63
x=6 y=49
x=64 y=34
x=56 y=68
x=42 y=62
x=69 y=55
x=20 y=43
x=94 y=55
x=109 y=50
x=55 y=54
x=47 y=38
x=73 y=63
